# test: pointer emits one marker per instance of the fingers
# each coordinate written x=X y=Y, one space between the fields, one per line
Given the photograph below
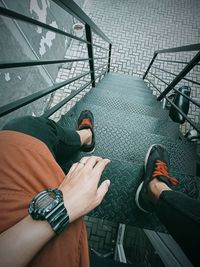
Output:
x=100 y=166
x=97 y=164
x=73 y=167
x=80 y=164
x=102 y=190
x=92 y=161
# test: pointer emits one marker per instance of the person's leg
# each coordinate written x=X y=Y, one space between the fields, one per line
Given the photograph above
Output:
x=179 y=213
x=63 y=143
x=181 y=216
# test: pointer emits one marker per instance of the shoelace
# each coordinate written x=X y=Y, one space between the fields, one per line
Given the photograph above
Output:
x=161 y=170
x=86 y=122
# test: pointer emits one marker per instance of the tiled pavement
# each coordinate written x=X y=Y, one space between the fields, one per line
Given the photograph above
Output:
x=137 y=28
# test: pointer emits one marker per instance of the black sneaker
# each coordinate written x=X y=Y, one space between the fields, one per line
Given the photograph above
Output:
x=156 y=166
x=86 y=121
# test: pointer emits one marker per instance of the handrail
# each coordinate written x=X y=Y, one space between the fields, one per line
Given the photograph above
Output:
x=180 y=76
x=90 y=27
x=187 y=97
x=51 y=111
x=6 y=109
x=193 y=47
x=194 y=125
x=71 y=7
x=186 y=48
x=14 y=15
x=175 y=61
x=171 y=73
x=8 y=65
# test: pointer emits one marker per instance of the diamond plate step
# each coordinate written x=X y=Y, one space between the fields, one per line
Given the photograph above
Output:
x=149 y=101
x=119 y=203
x=137 y=108
x=125 y=90
x=119 y=78
x=122 y=85
x=122 y=119
x=133 y=85
x=131 y=145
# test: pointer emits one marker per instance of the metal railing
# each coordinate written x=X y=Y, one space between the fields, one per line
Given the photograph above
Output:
x=90 y=27
x=177 y=77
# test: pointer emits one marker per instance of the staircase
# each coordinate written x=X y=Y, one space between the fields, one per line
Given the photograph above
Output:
x=128 y=120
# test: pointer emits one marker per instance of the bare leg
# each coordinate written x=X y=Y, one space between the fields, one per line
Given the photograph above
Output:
x=155 y=189
x=85 y=136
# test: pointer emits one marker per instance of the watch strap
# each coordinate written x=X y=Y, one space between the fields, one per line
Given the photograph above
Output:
x=58 y=218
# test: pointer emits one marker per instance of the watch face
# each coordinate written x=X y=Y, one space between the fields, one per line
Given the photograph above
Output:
x=45 y=200
x=43 y=203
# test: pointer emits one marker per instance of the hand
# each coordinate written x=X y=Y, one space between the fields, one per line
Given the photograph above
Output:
x=80 y=187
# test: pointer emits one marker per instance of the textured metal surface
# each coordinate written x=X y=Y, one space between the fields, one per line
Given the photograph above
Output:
x=119 y=205
x=132 y=145
x=130 y=81
x=125 y=89
x=136 y=108
x=149 y=101
x=130 y=121
x=122 y=135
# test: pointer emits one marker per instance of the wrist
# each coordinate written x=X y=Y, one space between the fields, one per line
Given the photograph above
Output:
x=48 y=205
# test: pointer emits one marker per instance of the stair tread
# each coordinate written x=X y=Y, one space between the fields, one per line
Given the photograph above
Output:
x=127 y=147
x=133 y=86
x=125 y=90
x=150 y=101
x=119 y=203
x=130 y=120
x=137 y=108
x=132 y=145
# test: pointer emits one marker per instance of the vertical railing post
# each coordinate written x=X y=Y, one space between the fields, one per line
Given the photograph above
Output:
x=90 y=52
x=109 y=56
x=151 y=63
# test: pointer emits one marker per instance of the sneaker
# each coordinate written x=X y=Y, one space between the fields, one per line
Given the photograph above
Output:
x=86 y=121
x=156 y=166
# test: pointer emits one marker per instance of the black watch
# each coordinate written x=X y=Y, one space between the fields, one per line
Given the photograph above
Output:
x=48 y=205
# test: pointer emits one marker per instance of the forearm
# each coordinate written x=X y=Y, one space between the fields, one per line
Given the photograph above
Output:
x=20 y=243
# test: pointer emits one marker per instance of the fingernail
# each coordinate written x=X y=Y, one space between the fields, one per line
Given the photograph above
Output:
x=108 y=182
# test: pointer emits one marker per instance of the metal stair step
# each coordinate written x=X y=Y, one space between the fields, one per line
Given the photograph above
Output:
x=136 y=108
x=125 y=90
x=119 y=203
x=132 y=145
x=119 y=77
x=150 y=101
x=134 y=86
x=129 y=121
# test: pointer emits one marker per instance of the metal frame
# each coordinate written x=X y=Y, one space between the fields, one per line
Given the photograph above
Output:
x=187 y=97
x=29 y=99
x=194 y=125
x=178 y=77
x=14 y=15
x=90 y=52
x=72 y=8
